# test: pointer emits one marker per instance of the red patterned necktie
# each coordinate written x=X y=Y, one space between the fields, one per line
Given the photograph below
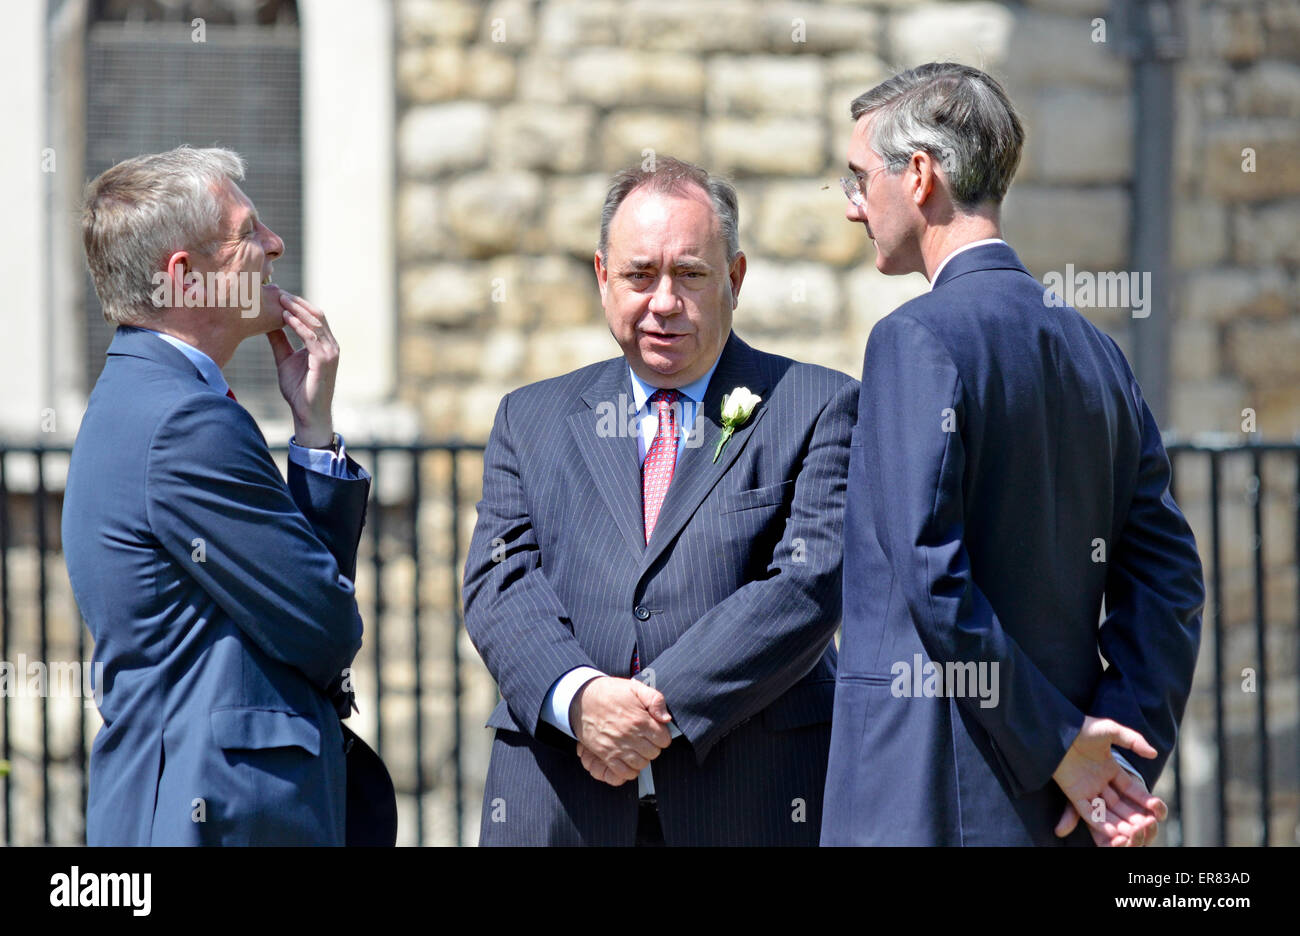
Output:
x=231 y=393
x=657 y=470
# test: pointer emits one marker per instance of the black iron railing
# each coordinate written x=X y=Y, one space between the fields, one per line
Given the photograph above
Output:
x=414 y=677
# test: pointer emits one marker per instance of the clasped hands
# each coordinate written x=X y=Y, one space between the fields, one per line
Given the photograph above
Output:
x=621 y=726
x=1116 y=806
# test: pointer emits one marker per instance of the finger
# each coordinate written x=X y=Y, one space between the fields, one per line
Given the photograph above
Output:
x=642 y=747
x=653 y=731
x=1120 y=736
x=300 y=307
x=1067 y=823
x=634 y=761
x=620 y=770
x=303 y=330
x=1132 y=822
x=653 y=700
x=1135 y=792
x=280 y=346
x=1107 y=824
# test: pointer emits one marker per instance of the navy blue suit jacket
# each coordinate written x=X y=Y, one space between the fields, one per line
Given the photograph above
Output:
x=221 y=606
x=1002 y=449
x=732 y=605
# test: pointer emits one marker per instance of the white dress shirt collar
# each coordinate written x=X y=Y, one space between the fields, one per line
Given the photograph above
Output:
x=962 y=249
x=641 y=391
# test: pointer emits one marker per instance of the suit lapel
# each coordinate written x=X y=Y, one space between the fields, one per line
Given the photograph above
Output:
x=696 y=472
x=604 y=430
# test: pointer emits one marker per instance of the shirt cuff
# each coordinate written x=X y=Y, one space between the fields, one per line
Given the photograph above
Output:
x=555 y=708
x=1119 y=759
x=324 y=461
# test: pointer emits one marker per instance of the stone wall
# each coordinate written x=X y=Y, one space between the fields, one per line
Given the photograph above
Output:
x=513 y=114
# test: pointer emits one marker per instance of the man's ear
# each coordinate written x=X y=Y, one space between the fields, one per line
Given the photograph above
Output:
x=178 y=268
x=736 y=276
x=180 y=258
x=602 y=275
x=922 y=168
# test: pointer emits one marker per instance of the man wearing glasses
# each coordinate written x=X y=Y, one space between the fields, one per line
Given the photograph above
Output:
x=1005 y=478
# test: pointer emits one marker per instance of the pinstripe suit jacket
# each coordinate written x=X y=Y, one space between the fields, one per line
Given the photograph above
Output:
x=733 y=603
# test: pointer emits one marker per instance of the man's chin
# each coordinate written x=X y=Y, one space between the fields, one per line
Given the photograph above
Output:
x=266 y=316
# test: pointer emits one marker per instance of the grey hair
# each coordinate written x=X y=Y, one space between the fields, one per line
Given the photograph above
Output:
x=669 y=175
x=959 y=115
x=141 y=210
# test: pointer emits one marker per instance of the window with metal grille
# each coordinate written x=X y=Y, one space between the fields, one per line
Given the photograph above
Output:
x=151 y=87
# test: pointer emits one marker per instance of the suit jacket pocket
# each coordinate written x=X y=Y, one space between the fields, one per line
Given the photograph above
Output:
x=766 y=496
x=259 y=728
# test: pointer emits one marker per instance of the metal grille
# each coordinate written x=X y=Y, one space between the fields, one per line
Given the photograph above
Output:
x=150 y=88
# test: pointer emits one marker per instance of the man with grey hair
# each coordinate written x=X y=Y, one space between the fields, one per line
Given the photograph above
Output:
x=654 y=576
x=1006 y=477
x=219 y=597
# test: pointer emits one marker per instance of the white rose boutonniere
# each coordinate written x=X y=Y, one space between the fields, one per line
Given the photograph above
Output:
x=737 y=407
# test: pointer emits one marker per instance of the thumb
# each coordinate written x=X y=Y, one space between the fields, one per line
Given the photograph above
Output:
x=653 y=700
x=280 y=346
x=1120 y=736
x=1069 y=819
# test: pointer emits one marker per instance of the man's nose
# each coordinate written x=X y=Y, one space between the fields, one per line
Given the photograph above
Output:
x=663 y=301
x=274 y=246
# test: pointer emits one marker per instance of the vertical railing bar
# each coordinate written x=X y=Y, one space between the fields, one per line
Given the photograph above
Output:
x=419 y=656
x=1216 y=611
x=6 y=752
x=376 y=518
x=1178 y=748
x=1295 y=561
x=82 y=763
x=43 y=611
x=455 y=647
x=1261 y=641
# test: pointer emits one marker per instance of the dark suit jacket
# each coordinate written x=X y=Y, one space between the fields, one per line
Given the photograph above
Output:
x=978 y=544
x=221 y=606
x=733 y=604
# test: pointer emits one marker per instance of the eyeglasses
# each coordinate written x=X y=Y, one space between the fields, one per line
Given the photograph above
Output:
x=854 y=189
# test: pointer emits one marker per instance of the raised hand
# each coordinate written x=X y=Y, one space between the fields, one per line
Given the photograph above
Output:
x=307 y=375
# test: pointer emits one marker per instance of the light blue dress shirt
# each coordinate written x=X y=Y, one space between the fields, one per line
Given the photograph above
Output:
x=555 y=709
x=321 y=461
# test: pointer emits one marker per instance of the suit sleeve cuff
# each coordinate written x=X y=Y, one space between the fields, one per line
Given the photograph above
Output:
x=555 y=708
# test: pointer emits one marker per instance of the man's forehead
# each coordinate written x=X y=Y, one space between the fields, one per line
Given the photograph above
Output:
x=687 y=215
x=860 y=141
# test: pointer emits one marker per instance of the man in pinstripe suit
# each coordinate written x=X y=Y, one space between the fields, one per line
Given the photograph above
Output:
x=655 y=588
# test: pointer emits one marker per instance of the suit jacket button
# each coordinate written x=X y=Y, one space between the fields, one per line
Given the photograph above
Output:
x=642 y=613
